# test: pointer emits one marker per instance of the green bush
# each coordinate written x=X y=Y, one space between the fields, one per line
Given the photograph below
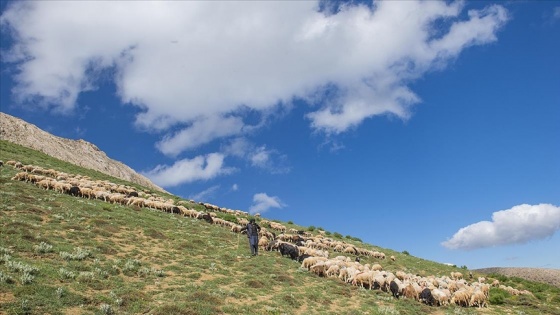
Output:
x=499 y=277
x=311 y=228
x=497 y=299
x=406 y=252
x=497 y=296
x=228 y=217
x=337 y=235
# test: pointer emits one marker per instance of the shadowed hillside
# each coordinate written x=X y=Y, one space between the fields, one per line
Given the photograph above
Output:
x=65 y=254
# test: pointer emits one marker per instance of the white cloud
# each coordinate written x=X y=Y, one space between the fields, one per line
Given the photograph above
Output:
x=238 y=147
x=200 y=132
x=269 y=160
x=189 y=170
x=518 y=225
x=186 y=61
x=235 y=187
x=263 y=202
x=205 y=194
x=258 y=156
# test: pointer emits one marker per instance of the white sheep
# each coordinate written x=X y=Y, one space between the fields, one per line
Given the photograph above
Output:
x=333 y=271
x=363 y=278
x=440 y=296
x=478 y=299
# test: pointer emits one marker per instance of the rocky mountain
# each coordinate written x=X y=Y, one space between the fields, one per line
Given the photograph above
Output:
x=78 y=152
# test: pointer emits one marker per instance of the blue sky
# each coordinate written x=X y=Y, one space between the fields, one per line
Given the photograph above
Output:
x=431 y=127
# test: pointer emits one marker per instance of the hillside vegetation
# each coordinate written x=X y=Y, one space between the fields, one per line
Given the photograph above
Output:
x=61 y=254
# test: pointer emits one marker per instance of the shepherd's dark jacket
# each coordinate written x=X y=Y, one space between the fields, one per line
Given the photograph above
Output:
x=252 y=229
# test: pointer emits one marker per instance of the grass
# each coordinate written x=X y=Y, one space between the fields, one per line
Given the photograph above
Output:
x=66 y=255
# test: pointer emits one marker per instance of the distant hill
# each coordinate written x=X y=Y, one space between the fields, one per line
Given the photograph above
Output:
x=78 y=152
x=544 y=275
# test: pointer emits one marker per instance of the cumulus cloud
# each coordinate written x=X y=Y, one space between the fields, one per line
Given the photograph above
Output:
x=189 y=170
x=270 y=160
x=258 y=156
x=263 y=202
x=238 y=147
x=201 y=131
x=518 y=225
x=184 y=62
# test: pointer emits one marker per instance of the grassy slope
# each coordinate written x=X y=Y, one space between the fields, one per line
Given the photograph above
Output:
x=144 y=261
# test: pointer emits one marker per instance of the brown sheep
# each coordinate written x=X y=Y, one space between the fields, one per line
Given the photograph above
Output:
x=376 y=267
x=409 y=292
x=62 y=187
x=350 y=250
x=11 y=163
x=87 y=192
x=461 y=298
x=310 y=261
x=456 y=275
x=264 y=242
x=319 y=268
x=236 y=228
x=401 y=275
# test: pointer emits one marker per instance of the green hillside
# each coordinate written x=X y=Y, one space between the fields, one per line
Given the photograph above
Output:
x=61 y=254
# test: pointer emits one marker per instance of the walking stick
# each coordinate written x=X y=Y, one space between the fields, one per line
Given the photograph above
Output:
x=237 y=250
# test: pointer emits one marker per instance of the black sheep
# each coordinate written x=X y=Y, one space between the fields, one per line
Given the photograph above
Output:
x=427 y=297
x=207 y=217
x=302 y=257
x=288 y=250
x=74 y=191
x=394 y=287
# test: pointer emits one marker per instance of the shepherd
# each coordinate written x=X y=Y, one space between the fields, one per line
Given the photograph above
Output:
x=253 y=235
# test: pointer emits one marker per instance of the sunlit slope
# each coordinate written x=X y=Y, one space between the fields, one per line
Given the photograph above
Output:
x=61 y=254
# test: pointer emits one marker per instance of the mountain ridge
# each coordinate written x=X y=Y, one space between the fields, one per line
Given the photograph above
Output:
x=78 y=152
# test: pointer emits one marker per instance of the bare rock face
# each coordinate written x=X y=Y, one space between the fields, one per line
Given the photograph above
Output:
x=78 y=152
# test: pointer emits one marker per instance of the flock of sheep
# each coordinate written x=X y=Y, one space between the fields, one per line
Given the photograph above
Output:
x=83 y=186
x=312 y=251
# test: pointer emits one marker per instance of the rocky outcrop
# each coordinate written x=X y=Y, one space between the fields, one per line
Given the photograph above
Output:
x=78 y=152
